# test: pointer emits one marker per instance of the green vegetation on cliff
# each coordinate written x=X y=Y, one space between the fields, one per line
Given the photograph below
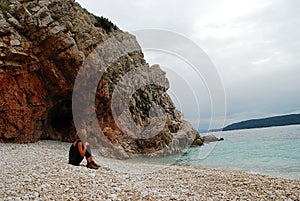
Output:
x=4 y=6
x=105 y=23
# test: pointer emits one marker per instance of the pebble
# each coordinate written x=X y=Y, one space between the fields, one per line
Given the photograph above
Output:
x=47 y=176
x=113 y=196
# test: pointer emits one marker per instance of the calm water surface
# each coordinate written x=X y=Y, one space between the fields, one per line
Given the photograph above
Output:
x=271 y=151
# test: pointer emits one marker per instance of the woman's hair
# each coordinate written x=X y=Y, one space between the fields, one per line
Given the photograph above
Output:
x=77 y=136
x=81 y=134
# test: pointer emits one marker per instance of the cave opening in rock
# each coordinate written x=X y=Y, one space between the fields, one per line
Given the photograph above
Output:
x=61 y=117
x=60 y=121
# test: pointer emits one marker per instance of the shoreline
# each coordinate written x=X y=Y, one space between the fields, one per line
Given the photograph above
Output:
x=40 y=171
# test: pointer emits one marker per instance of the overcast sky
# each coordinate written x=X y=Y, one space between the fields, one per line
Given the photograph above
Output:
x=254 y=45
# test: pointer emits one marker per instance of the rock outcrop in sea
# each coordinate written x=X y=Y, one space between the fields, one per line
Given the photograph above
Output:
x=43 y=44
x=211 y=138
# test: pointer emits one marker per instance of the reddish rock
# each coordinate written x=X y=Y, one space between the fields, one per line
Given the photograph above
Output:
x=42 y=46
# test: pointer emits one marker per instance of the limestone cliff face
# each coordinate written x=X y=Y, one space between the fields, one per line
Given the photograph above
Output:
x=43 y=43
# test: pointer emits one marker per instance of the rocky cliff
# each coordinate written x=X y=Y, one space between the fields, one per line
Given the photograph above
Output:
x=43 y=45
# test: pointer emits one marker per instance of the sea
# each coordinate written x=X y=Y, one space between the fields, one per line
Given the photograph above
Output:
x=273 y=151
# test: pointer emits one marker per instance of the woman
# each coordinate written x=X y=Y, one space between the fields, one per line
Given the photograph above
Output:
x=78 y=151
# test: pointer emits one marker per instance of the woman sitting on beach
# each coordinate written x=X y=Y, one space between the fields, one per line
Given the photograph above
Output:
x=78 y=151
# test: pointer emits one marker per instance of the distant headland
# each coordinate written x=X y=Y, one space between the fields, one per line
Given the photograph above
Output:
x=283 y=120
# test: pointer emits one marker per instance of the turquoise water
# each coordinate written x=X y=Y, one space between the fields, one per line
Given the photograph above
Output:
x=272 y=151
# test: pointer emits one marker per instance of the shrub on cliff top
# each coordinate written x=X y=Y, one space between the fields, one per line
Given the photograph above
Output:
x=4 y=5
x=105 y=23
x=56 y=16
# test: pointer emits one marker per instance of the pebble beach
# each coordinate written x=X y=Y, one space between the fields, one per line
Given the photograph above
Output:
x=40 y=171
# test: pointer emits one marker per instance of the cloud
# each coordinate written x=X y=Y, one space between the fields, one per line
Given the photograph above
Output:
x=256 y=54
